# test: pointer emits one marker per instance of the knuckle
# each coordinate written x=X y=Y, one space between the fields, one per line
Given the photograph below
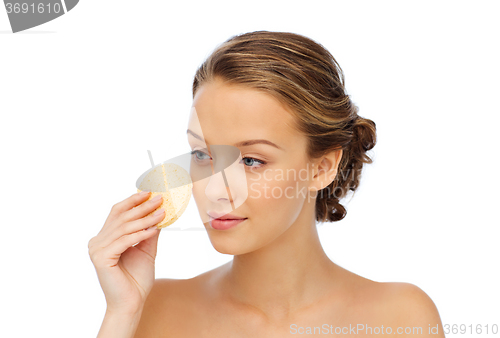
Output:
x=123 y=240
x=115 y=207
x=146 y=220
x=122 y=218
x=91 y=241
x=91 y=248
x=95 y=256
x=92 y=255
x=125 y=229
x=120 y=231
x=131 y=228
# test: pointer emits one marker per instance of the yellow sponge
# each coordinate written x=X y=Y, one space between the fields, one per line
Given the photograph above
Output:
x=174 y=183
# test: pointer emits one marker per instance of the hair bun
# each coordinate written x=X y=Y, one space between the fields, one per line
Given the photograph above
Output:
x=364 y=137
x=365 y=133
x=328 y=207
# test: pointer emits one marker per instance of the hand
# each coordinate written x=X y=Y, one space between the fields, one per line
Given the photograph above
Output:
x=126 y=272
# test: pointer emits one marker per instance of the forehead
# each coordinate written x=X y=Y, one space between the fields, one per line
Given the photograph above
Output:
x=231 y=113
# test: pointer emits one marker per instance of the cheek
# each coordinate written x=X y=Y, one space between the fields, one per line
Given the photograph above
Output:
x=272 y=194
x=200 y=199
x=274 y=202
x=198 y=189
x=276 y=191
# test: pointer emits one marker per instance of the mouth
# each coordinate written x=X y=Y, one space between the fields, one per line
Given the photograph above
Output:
x=225 y=222
x=222 y=216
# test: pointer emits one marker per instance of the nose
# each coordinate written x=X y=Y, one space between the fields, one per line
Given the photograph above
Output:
x=217 y=188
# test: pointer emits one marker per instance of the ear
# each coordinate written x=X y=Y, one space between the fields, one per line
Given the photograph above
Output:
x=325 y=170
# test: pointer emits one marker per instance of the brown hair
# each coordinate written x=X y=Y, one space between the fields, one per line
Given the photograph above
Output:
x=303 y=75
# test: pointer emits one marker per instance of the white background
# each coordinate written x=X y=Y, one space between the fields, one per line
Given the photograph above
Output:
x=82 y=99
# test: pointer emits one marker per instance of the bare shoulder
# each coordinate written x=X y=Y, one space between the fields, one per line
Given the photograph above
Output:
x=174 y=305
x=400 y=306
x=409 y=300
x=154 y=319
x=408 y=306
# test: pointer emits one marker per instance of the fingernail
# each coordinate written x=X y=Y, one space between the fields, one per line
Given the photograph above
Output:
x=154 y=227
x=159 y=212
x=156 y=198
x=143 y=193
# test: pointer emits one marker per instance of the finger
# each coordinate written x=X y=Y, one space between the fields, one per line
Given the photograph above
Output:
x=127 y=204
x=150 y=245
x=141 y=210
x=145 y=208
x=113 y=233
x=110 y=254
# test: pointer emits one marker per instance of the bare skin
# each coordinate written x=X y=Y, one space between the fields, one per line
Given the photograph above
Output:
x=280 y=282
x=280 y=275
x=201 y=307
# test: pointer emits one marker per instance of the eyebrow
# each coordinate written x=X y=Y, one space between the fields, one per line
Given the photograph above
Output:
x=241 y=143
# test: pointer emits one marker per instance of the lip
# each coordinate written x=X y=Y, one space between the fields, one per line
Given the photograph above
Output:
x=216 y=215
x=224 y=222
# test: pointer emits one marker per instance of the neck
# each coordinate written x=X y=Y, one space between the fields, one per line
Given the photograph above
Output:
x=284 y=276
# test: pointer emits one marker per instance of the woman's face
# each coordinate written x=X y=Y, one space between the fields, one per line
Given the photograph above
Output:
x=277 y=178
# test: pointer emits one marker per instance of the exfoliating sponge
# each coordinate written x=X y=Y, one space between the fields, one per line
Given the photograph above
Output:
x=174 y=183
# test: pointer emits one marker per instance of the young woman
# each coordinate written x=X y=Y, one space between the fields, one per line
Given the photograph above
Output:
x=288 y=92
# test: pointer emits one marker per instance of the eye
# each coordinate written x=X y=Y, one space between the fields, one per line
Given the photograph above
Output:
x=198 y=153
x=248 y=161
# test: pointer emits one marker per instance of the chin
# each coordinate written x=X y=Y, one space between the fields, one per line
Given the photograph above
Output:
x=227 y=243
